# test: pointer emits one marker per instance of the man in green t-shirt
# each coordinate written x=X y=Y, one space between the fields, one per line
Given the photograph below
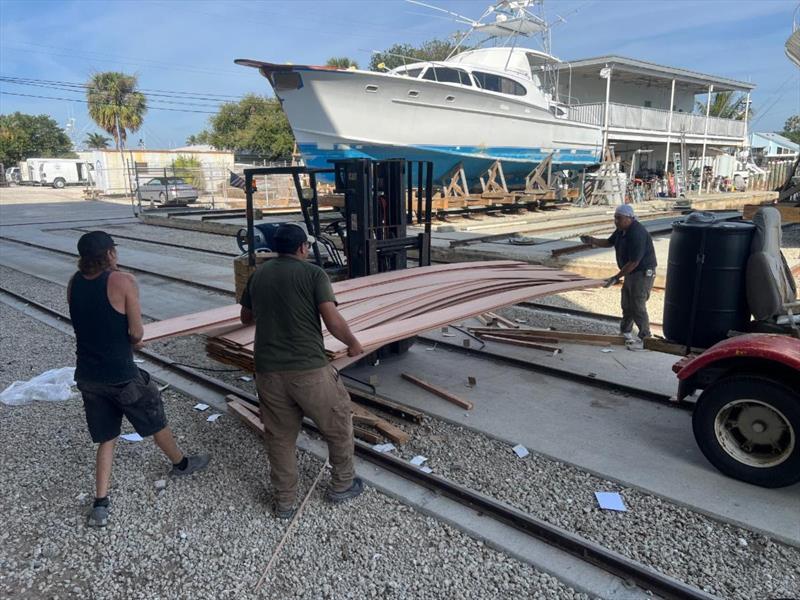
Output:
x=285 y=297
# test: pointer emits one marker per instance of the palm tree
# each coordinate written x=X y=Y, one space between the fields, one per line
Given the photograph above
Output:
x=115 y=104
x=726 y=106
x=96 y=141
x=341 y=62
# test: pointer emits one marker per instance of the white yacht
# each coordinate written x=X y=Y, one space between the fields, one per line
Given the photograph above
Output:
x=476 y=107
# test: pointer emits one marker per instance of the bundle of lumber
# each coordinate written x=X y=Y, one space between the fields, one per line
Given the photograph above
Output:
x=389 y=307
x=539 y=338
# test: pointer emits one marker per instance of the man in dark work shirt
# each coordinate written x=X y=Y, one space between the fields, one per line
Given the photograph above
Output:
x=636 y=259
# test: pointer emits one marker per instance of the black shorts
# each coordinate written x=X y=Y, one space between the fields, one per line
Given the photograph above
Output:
x=138 y=400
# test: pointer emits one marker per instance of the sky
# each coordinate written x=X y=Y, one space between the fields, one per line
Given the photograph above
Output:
x=181 y=47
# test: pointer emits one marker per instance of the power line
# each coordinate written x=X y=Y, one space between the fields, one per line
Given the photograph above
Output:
x=184 y=110
x=83 y=90
x=166 y=93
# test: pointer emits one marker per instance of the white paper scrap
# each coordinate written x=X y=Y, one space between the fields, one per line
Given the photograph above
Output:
x=132 y=437
x=383 y=447
x=200 y=406
x=520 y=450
x=417 y=460
x=425 y=469
x=245 y=378
x=610 y=501
x=607 y=350
x=214 y=417
x=138 y=361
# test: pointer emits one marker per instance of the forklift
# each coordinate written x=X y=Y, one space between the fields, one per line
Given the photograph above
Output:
x=381 y=200
x=367 y=235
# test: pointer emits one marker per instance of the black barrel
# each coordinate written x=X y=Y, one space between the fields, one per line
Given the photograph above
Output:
x=705 y=293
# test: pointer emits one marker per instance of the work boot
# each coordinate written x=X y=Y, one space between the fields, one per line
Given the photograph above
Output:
x=195 y=463
x=283 y=513
x=98 y=517
x=352 y=492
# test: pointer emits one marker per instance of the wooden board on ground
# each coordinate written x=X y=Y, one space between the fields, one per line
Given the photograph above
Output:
x=437 y=391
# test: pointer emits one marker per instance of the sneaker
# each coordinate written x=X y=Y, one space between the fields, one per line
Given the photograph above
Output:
x=195 y=463
x=98 y=517
x=284 y=513
x=350 y=493
x=630 y=338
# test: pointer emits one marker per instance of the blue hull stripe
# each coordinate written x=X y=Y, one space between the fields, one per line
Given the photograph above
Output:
x=517 y=162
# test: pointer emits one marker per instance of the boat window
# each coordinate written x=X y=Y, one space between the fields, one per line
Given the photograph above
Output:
x=414 y=72
x=286 y=81
x=446 y=75
x=498 y=83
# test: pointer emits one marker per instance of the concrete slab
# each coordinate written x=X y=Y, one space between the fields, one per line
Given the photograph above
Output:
x=645 y=369
x=635 y=442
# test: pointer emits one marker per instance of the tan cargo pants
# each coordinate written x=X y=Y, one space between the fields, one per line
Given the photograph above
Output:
x=285 y=397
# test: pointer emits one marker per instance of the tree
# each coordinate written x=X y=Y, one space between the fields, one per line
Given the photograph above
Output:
x=190 y=170
x=791 y=129
x=727 y=106
x=341 y=62
x=25 y=136
x=401 y=54
x=96 y=141
x=255 y=124
x=115 y=104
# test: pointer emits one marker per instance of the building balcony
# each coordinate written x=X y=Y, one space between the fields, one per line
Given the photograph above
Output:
x=636 y=120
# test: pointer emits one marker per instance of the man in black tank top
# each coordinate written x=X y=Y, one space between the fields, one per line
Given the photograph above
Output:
x=107 y=319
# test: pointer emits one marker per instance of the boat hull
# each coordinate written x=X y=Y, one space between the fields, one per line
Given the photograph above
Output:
x=351 y=114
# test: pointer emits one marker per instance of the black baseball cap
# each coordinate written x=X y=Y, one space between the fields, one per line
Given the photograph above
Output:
x=94 y=243
x=288 y=237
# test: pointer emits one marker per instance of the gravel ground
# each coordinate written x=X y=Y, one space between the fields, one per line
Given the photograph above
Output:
x=715 y=556
x=209 y=536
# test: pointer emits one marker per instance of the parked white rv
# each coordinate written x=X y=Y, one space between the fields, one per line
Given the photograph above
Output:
x=57 y=172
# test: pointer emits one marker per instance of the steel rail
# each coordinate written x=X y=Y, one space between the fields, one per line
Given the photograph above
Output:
x=612 y=562
x=205 y=286
x=168 y=244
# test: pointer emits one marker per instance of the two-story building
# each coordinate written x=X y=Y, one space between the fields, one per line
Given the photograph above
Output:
x=652 y=108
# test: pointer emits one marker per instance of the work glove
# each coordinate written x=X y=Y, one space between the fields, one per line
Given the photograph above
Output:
x=611 y=281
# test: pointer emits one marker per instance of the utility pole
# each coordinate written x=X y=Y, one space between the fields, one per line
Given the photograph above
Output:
x=121 y=155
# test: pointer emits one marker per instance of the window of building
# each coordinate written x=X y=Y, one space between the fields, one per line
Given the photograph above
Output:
x=447 y=75
x=498 y=83
x=648 y=104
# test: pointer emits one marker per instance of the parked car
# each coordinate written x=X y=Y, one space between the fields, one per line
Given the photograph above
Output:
x=168 y=190
x=12 y=174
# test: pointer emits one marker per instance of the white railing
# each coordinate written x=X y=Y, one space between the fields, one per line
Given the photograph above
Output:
x=654 y=119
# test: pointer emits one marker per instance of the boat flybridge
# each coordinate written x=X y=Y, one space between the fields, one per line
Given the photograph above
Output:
x=476 y=107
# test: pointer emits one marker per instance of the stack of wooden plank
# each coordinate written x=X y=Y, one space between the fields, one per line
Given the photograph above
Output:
x=541 y=338
x=389 y=307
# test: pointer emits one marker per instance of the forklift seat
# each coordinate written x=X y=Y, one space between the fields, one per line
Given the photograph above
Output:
x=769 y=280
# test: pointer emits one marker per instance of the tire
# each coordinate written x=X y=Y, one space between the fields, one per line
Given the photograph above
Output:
x=162 y=198
x=59 y=183
x=748 y=427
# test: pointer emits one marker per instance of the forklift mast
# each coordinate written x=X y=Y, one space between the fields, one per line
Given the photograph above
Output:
x=379 y=207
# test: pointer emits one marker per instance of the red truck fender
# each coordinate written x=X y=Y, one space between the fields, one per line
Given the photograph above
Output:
x=756 y=351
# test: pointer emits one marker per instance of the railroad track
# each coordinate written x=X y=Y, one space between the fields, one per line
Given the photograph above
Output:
x=189 y=282
x=631 y=572
x=167 y=244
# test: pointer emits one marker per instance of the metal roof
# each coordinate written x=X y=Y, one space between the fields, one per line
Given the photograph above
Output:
x=655 y=71
x=777 y=138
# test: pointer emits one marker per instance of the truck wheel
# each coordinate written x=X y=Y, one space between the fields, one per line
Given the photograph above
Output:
x=59 y=183
x=748 y=427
